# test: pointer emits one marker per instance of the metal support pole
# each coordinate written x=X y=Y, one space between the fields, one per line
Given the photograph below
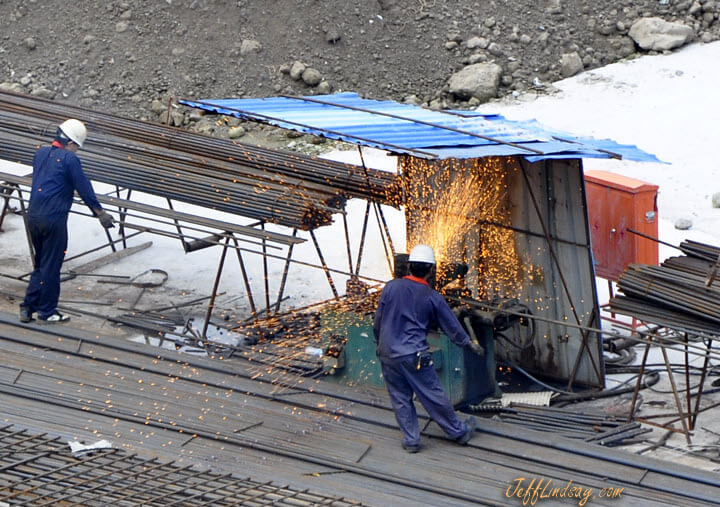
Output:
x=211 y=304
x=324 y=265
x=676 y=396
x=347 y=242
x=265 y=273
x=700 y=386
x=6 y=193
x=639 y=380
x=123 y=214
x=687 y=378
x=111 y=242
x=379 y=216
x=285 y=273
x=177 y=226
x=246 y=280
x=23 y=210
x=362 y=238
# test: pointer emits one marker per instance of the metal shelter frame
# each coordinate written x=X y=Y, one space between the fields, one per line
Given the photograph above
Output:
x=195 y=232
x=268 y=187
x=521 y=149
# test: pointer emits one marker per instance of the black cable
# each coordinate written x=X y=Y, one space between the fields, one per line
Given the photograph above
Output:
x=651 y=378
x=624 y=357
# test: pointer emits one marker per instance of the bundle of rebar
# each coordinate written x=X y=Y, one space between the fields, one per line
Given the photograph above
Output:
x=700 y=250
x=269 y=185
x=664 y=295
x=690 y=265
x=594 y=428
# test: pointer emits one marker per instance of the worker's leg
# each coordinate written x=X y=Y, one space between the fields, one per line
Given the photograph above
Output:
x=34 y=288
x=431 y=394
x=53 y=254
x=401 y=395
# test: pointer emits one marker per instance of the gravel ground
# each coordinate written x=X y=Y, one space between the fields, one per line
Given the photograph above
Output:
x=119 y=56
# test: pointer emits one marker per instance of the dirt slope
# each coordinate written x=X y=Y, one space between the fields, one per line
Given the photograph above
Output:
x=117 y=56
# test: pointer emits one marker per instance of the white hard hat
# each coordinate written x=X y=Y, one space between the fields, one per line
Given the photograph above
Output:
x=422 y=253
x=74 y=130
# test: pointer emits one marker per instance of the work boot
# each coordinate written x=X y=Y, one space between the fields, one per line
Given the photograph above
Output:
x=471 y=424
x=412 y=449
x=25 y=314
x=54 y=318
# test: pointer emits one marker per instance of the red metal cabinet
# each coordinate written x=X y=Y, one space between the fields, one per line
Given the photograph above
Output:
x=615 y=204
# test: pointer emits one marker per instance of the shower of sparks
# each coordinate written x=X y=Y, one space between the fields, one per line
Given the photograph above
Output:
x=462 y=210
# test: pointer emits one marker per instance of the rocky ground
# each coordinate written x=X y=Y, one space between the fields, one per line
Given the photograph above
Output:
x=128 y=57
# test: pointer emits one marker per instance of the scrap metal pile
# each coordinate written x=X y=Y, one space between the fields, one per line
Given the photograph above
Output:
x=678 y=294
x=269 y=185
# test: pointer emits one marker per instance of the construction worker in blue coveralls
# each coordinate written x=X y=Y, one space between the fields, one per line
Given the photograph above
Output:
x=57 y=174
x=407 y=310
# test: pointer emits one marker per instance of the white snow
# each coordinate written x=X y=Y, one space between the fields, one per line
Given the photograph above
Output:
x=667 y=105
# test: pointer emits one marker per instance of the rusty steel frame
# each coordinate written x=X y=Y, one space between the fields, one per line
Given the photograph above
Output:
x=127 y=209
x=686 y=417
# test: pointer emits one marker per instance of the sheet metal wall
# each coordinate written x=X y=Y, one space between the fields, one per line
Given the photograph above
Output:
x=555 y=189
x=558 y=189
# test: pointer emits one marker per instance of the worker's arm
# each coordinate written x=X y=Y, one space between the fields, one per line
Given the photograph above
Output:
x=448 y=322
x=82 y=184
x=85 y=189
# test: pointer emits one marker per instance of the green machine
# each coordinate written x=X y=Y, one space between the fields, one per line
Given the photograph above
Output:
x=349 y=358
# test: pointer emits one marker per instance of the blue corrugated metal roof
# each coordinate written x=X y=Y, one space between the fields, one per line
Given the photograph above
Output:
x=406 y=128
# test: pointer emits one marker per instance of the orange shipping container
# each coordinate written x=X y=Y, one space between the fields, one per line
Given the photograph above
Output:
x=615 y=204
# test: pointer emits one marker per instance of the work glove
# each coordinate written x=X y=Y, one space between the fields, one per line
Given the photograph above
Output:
x=476 y=348
x=106 y=220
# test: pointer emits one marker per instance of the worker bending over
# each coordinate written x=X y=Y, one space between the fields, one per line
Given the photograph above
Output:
x=57 y=174
x=407 y=310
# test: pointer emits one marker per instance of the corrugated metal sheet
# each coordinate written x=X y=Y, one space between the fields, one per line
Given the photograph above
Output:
x=413 y=130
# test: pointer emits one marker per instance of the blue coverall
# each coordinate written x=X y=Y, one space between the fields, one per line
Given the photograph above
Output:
x=407 y=310
x=57 y=173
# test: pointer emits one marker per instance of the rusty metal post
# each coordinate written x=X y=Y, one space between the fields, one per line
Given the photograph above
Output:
x=703 y=375
x=123 y=213
x=246 y=280
x=380 y=217
x=324 y=265
x=347 y=242
x=211 y=304
x=265 y=272
x=177 y=226
x=281 y=291
x=677 y=397
x=7 y=191
x=639 y=380
x=362 y=239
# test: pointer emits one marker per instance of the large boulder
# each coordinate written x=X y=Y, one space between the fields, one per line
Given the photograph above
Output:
x=570 y=64
x=480 y=80
x=659 y=35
